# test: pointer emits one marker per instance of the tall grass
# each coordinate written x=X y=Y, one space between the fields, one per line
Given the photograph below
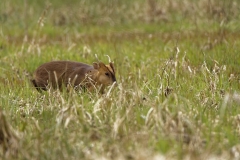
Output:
x=177 y=68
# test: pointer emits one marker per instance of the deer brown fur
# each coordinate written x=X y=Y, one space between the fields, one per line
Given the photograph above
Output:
x=59 y=74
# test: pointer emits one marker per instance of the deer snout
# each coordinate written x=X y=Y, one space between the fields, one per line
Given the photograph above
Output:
x=114 y=81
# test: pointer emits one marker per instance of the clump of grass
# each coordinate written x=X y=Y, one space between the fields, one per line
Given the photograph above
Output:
x=8 y=138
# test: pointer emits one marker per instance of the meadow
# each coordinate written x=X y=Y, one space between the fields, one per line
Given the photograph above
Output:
x=177 y=67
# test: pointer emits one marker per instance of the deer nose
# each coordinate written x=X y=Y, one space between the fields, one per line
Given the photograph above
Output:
x=114 y=79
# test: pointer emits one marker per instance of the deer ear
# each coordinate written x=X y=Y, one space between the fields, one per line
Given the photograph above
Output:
x=95 y=65
x=101 y=65
x=98 y=65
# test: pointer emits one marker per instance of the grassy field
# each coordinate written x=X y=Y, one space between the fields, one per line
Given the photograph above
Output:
x=178 y=73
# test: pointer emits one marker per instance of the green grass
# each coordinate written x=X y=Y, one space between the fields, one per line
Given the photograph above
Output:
x=177 y=66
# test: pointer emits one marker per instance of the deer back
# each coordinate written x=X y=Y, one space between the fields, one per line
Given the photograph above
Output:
x=59 y=73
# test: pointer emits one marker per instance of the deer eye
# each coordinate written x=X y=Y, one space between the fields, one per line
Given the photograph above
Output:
x=107 y=74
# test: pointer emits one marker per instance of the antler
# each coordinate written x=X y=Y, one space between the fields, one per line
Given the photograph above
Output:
x=97 y=58
x=109 y=59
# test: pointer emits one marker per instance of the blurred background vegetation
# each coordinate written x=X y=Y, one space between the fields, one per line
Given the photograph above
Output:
x=204 y=23
x=179 y=15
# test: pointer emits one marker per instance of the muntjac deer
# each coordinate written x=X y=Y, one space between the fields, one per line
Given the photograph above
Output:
x=59 y=74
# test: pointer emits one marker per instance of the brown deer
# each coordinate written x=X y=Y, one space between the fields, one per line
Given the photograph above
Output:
x=59 y=74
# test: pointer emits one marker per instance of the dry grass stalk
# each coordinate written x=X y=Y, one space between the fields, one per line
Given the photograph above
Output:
x=8 y=137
